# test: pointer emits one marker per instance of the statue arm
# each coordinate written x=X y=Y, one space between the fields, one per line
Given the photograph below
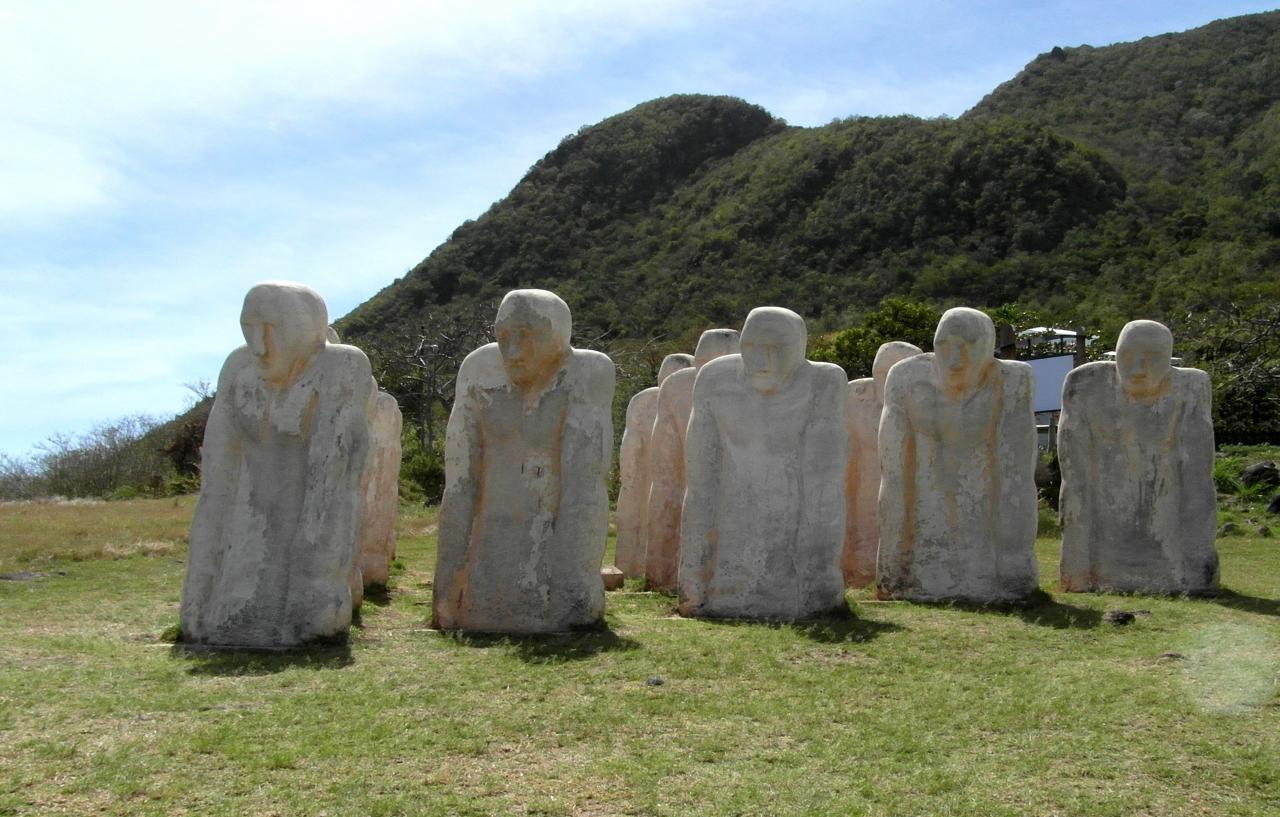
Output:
x=896 y=445
x=1075 y=452
x=698 y=527
x=662 y=506
x=582 y=522
x=336 y=456
x=463 y=449
x=220 y=454
x=826 y=449
x=1197 y=500
x=632 y=468
x=1015 y=507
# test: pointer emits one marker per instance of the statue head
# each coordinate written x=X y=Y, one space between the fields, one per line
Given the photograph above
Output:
x=715 y=343
x=284 y=325
x=532 y=328
x=773 y=345
x=1143 y=355
x=964 y=347
x=889 y=354
x=672 y=364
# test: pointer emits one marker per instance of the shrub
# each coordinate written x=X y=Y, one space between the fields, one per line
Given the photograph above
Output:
x=421 y=469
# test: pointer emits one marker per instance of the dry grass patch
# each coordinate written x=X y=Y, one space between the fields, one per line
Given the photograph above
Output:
x=35 y=534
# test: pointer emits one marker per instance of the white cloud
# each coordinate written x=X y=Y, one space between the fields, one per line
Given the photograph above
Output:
x=89 y=85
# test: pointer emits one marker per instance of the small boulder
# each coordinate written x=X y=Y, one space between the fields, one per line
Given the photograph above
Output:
x=1264 y=531
x=1261 y=473
x=612 y=577
x=1229 y=529
x=1274 y=507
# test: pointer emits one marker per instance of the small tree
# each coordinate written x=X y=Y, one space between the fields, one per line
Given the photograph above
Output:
x=1239 y=345
x=854 y=349
x=419 y=365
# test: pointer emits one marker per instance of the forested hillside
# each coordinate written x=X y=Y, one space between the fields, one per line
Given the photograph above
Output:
x=1098 y=185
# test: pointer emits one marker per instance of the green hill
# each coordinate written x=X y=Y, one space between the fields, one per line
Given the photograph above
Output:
x=1098 y=185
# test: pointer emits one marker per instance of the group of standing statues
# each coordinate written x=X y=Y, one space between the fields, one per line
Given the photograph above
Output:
x=755 y=483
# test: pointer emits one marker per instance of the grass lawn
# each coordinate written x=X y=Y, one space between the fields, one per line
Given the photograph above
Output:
x=900 y=710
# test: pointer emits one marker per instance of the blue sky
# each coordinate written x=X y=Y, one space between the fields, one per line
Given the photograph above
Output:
x=158 y=158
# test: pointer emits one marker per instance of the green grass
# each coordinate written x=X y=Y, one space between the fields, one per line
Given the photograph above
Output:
x=900 y=710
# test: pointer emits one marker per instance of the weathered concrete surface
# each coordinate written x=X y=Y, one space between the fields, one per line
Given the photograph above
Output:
x=525 y=513
x=667 y=460
x=1135 y=442
x=380 y=491
x=764 y=457
x=273 y=538
x=862 y=478
x=633 y=463
x=957 y=458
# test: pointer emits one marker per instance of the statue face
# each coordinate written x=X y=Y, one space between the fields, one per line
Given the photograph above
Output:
x=283 y=325
x=532 y=331
x=964 y=349
x=773 y=341
x=1143 y=358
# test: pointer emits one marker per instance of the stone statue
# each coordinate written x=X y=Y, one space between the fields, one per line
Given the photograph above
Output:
x=380 y=491
x=273 y=538
x=666 y=460
x=957 y=459
x=862 y=479
x=529 y=444
x=633 y=463
x=1135 y=443
x=764 y=461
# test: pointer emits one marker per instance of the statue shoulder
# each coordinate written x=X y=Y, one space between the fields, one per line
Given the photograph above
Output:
x=720 y=373
x=1193 y=382
x=592 y=364
x=1100 y=374
x=909 y=371
x=347 y=362
x=862 y=391
x=1016 y=369
x=829 y=382
x=676 y=389
x=829 y=373
x=238 y=361
x=595 y=371
x=482 y=367
x=642 y=402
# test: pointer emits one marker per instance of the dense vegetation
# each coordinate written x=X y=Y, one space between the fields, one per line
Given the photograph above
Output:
x=1099 y=185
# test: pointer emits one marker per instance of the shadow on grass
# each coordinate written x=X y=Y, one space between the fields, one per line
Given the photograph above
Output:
x=379 y=595
x=840 y=626
x=375 y=596
x=552 y=648
x=1249 y=604
x=843 y=629
x=206 y=661
x=1040 y=609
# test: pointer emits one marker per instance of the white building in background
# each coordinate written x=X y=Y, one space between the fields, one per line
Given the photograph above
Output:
x=1046 y=335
